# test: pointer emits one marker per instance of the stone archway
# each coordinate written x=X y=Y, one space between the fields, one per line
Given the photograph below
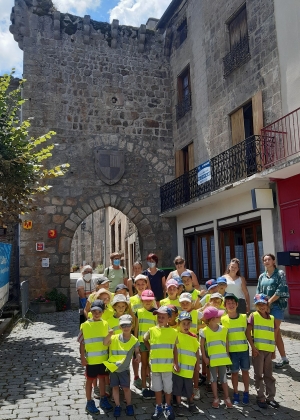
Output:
x=100 y=87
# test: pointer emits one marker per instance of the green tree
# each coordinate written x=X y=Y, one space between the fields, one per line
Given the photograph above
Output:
x=22 y=158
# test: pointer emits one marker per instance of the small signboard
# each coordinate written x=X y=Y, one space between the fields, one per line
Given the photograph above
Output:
x=27 y=224
x=40 y=246
x=52 y=233
x=45 y=262
x=204 y=173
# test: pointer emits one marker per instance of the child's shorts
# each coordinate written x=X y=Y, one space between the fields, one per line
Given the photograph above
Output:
x=121 y=379
x=182 y=387
x=218 y=372
x=93 y=371
x=143 y=348
x=162 y=381
x=240 y=360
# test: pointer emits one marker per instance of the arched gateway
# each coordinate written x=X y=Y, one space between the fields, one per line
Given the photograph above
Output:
x=105 y=89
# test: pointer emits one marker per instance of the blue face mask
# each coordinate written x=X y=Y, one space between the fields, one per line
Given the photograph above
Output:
x=116 y=262
x=151 y=264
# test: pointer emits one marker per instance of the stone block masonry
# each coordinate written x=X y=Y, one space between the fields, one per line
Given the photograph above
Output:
x=96 y=85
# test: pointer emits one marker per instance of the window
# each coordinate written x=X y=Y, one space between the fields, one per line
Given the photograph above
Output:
x=245 y=243
x=238 y=41
x=181 y=33
x=120 y=236
x=200 y=255
x=184 y=94
x=184 y=160
x=113 y=237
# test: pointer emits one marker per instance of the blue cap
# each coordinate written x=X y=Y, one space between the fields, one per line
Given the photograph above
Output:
x=180 y=282
x=185 y=315
x=261 y=298
x=221 y=280
x=211 y=283
x=186 y=274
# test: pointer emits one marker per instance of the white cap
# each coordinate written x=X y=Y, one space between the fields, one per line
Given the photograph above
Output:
x=185 y=297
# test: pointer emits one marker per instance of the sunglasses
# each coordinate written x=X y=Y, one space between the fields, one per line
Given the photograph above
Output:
x=125 y=325
x=179 y=262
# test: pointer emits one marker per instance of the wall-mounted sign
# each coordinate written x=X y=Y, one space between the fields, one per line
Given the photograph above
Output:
x=204 y=173
x=45 y=262
x=52 y=233
x=40 y=246
x=27 y=224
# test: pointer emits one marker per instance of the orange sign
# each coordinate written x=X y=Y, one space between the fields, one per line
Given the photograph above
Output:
x=52 y=233
x=27 y=224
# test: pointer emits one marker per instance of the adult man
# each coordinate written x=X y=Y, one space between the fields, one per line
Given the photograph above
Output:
x=85 y=285
x=115 y=272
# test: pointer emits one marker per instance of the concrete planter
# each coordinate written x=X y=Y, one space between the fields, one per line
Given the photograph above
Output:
x=43 y=307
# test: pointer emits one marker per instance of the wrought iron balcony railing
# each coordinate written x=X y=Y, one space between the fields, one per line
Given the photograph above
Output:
x=240 y=161
x=238 y=55
x=184 y=106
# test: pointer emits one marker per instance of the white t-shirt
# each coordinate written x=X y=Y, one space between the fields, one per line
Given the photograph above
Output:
x=89 y=286
x=235 y=287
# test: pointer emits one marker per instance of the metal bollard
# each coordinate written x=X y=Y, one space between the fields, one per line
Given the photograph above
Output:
x=24 y=287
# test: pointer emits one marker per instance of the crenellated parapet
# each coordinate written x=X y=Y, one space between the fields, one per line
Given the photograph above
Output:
x=30 y=17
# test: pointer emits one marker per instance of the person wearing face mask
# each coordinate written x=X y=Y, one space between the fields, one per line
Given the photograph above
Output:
x=157 y=278
x=85 y=285
x=115 y=272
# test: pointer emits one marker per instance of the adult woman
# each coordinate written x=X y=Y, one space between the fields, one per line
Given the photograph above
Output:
x=137 y=269
x=273 y=284
x=236 y=284
x=156 y=278
x=115 y=272
x=85 y=285
x=180 y=268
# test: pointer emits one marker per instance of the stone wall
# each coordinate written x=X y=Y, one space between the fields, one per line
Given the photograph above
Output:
x=96 y=85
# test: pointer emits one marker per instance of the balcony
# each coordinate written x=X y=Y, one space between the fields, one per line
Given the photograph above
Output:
x=184 y=106
x=237 y=56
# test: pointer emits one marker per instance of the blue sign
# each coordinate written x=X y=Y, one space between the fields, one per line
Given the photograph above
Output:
x=5 y=253
x=204 y=173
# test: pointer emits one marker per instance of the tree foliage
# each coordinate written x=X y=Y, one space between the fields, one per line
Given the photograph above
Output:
x=22 y=158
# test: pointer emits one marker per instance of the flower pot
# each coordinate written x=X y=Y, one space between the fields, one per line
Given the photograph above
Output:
x=43 y=307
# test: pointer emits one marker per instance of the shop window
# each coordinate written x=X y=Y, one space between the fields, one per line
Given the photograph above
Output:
x=245 y=243
x=184 y=160
x=184 y=93
x=200 y=255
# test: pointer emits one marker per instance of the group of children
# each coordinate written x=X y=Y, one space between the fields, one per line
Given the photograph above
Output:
x=166 y=340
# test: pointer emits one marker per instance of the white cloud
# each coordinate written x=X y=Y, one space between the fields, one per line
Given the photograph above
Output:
x=137 y=12
x=76 y=7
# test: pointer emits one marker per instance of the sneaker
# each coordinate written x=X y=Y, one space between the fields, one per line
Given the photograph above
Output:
x=208 y=388
x=138 y=383
x=273 y=403
x=236 y=399
x=179 y=410
x=245 y=398
x=281 y=363
x=117 y=411
x=107 y=390
x=193 y=409
x=202 y=380
x=158 y=412
x=262 y=404
x=183 y=398
x=96 y=392
x=104 y=404
x=91 y=407
x=129 y=410
x=169 y=412
x=148 y=394
x=196 y=393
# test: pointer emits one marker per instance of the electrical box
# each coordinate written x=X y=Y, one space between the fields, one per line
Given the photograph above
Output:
x=288 y=258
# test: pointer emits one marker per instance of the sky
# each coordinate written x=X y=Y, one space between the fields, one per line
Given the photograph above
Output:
x=128 y=12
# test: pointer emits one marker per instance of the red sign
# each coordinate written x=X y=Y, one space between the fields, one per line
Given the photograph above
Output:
x=40 y=246
x=52 y=233
x=27 y=224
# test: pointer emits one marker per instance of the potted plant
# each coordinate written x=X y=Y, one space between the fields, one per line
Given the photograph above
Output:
x=42 y=305
x=59 y=298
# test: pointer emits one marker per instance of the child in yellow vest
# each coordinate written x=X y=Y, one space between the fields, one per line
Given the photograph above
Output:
x=145 y=319
x=161 y=341
x=214 y=349
x=120 y=306
x=173 y=320
x=188 y=361
x=172 y=290
x=261 y=336
x=121 y=348
x=238 y=346
x=187 y=280
x=93 y=354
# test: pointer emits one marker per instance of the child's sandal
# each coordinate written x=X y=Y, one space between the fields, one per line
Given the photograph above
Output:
x=216 y=403
x=228 y=403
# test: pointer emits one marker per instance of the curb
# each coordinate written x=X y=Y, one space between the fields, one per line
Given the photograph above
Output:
x=290 y=333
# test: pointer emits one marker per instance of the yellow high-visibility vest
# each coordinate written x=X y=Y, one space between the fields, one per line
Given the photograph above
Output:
x=136 y=303
x=216 y=347
x=114 y=325
x=263 y=332
x=167 y=301
x=187 y=347
x=118 y=352
x=162 y=342
x=146 y=320
x=194 y=323
x=94 y=334
x=237 y=327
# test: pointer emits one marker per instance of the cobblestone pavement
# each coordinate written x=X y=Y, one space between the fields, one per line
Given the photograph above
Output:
x=41 y=378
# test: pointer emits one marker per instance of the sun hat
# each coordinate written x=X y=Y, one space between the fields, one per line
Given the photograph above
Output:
x=98 y=305
x=212 y=312
x=185 y=297
x=147 y=295
x=119 y=298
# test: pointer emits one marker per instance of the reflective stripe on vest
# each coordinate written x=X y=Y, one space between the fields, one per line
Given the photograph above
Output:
x=118 y=351
x=146 y=320
x=263 y=332
x=93 y=335
x=186 y=358
x=237 y=327
x=136 y=303
x=216 y=346
x=194 y=323
x=162 y=342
